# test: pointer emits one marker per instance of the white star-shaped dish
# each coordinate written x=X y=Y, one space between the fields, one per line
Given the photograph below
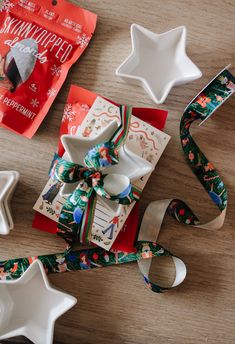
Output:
x=8 y=182
x=29 y=306
x=158 y=61
x=130 y=165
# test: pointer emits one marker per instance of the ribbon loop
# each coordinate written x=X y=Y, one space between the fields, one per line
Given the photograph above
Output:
x=149 y=252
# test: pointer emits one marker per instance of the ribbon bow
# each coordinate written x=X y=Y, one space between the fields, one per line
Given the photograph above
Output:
x=78 y=211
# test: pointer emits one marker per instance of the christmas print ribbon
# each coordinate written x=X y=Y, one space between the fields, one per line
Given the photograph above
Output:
x=200 y=109
x=77 y=213
x=86 y=259
x=203 y=105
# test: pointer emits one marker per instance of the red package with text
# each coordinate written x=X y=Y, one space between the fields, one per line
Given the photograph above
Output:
x=39 y=41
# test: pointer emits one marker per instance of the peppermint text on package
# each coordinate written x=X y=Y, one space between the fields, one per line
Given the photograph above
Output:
x=18 y=107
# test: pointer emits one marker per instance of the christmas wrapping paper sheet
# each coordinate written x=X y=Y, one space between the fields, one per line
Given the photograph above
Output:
x=143 y=140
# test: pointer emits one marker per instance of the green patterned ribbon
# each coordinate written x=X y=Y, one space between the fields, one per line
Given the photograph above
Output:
x=84 y=259
x=202 y=107
x=219 y=90
x=77 y=213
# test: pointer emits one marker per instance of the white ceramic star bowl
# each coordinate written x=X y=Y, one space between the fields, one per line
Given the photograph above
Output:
x=29 y=306
x=130 y=165
x=158 y=62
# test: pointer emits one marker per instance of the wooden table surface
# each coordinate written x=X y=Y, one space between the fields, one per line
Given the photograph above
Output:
x=114 y=306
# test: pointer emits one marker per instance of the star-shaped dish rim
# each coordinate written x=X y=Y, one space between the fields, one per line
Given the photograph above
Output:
x=7 y=329
x=180 y=59
x=6 y=192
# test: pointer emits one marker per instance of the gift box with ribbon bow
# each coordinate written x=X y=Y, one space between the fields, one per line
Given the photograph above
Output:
x=104 y=160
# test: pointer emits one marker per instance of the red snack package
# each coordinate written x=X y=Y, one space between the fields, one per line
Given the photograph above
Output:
x=39 y=41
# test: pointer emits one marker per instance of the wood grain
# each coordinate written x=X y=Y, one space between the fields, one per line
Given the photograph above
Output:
x=114 y=306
